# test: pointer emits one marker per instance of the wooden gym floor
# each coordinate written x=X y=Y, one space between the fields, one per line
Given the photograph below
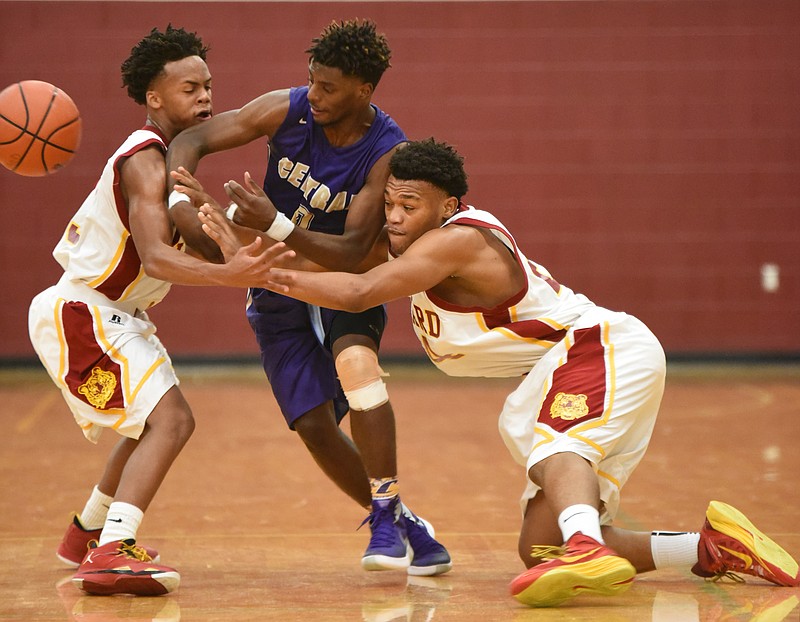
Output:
x=258 y=533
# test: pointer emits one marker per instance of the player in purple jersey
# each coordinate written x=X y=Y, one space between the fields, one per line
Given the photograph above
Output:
x=323 y=194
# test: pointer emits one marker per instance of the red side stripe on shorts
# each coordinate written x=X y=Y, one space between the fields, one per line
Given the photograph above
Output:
x=579 y=385
x=85 y=354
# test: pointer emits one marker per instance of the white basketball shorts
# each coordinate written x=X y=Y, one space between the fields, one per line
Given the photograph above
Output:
x=110 y=366
x=596 y=394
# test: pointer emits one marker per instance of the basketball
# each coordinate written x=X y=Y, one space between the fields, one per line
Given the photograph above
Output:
x=40 y=128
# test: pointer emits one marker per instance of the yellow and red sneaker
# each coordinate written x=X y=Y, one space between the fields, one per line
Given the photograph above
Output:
x=730 y=543
x=121 y=567
x=581 y=565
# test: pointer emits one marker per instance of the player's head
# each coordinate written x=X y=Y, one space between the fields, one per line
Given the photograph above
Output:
x=426 y=183
x=346 y=62
x=167 y=72
x=355 y=48
x=437 y=163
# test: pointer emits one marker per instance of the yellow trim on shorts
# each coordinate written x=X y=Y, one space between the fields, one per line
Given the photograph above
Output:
x=62 y=341
x=547 y=437
x=609 y=477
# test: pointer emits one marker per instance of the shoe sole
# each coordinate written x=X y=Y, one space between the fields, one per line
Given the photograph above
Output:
x=429 y=571
x=385 y=562
x=607 y=576
x=731 y=522
x=139 y=585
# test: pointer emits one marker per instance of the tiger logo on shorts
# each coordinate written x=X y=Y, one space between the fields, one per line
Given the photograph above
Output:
x=99 y=387
x=569 y=406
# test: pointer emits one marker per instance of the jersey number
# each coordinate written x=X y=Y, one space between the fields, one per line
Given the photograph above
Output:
x=302 y=217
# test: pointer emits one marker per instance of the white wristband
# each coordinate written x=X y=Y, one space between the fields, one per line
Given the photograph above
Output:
x=280 y=228
x=231 y=211
x=177 y=197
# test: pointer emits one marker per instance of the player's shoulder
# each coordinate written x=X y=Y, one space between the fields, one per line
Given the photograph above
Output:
x=142 y=143
x=269 y=108
x=447 y=239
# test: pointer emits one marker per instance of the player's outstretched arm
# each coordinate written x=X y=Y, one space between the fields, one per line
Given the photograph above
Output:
x=228 y=130
x=143 y=177
x=431 y=259
x=229 y=237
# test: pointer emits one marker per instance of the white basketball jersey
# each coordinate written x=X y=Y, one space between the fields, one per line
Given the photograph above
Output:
x=505 y=341
x=97 y=249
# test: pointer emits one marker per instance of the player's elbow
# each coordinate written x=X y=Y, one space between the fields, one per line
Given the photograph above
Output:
x=155 y=266
x=186 y=149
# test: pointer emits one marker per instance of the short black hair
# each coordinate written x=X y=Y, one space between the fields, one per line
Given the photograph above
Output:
x=354 y=47
x=437 y=163
x=149 y=56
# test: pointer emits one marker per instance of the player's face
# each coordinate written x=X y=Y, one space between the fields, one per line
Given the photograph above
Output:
x=414 y=207
x=334 y=96
x=184 y=92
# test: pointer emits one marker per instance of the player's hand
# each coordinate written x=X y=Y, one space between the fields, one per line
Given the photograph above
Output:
x=255 y=209
x=245 y=265
x=190 y=186
x=216 y=226
x=252 y=264
x=280 y=280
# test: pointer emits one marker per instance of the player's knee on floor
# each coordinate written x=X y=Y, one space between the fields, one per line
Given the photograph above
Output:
x=361 y=378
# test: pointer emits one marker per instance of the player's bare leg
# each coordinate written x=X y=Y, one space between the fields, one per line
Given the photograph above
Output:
x=374 y=435
x=539 y=527
x=168 y=429
x=567 y=479
x=334 y=452
x=400 y=539
x=115 y=564
x=632 y=545
x=117 y=460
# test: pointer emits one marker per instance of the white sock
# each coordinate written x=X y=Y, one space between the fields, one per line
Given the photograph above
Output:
x=95 y=510
x=580 y=517
x=122 y=522
x=672 y=549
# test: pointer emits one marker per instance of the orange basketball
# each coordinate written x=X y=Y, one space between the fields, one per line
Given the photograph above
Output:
x=40 y=128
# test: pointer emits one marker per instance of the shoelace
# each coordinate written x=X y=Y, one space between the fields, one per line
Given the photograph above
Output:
x=726 y=574
x=382 y=533
x=136 y=552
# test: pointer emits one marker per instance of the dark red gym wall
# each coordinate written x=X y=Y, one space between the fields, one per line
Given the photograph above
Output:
x=646 y=152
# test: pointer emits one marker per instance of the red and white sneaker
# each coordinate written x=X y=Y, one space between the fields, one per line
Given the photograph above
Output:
x=121 y=567
x=581 y=565
x=75 y=544
x=730 y=543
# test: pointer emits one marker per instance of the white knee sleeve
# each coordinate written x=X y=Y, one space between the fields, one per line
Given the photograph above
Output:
x=360 y=375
